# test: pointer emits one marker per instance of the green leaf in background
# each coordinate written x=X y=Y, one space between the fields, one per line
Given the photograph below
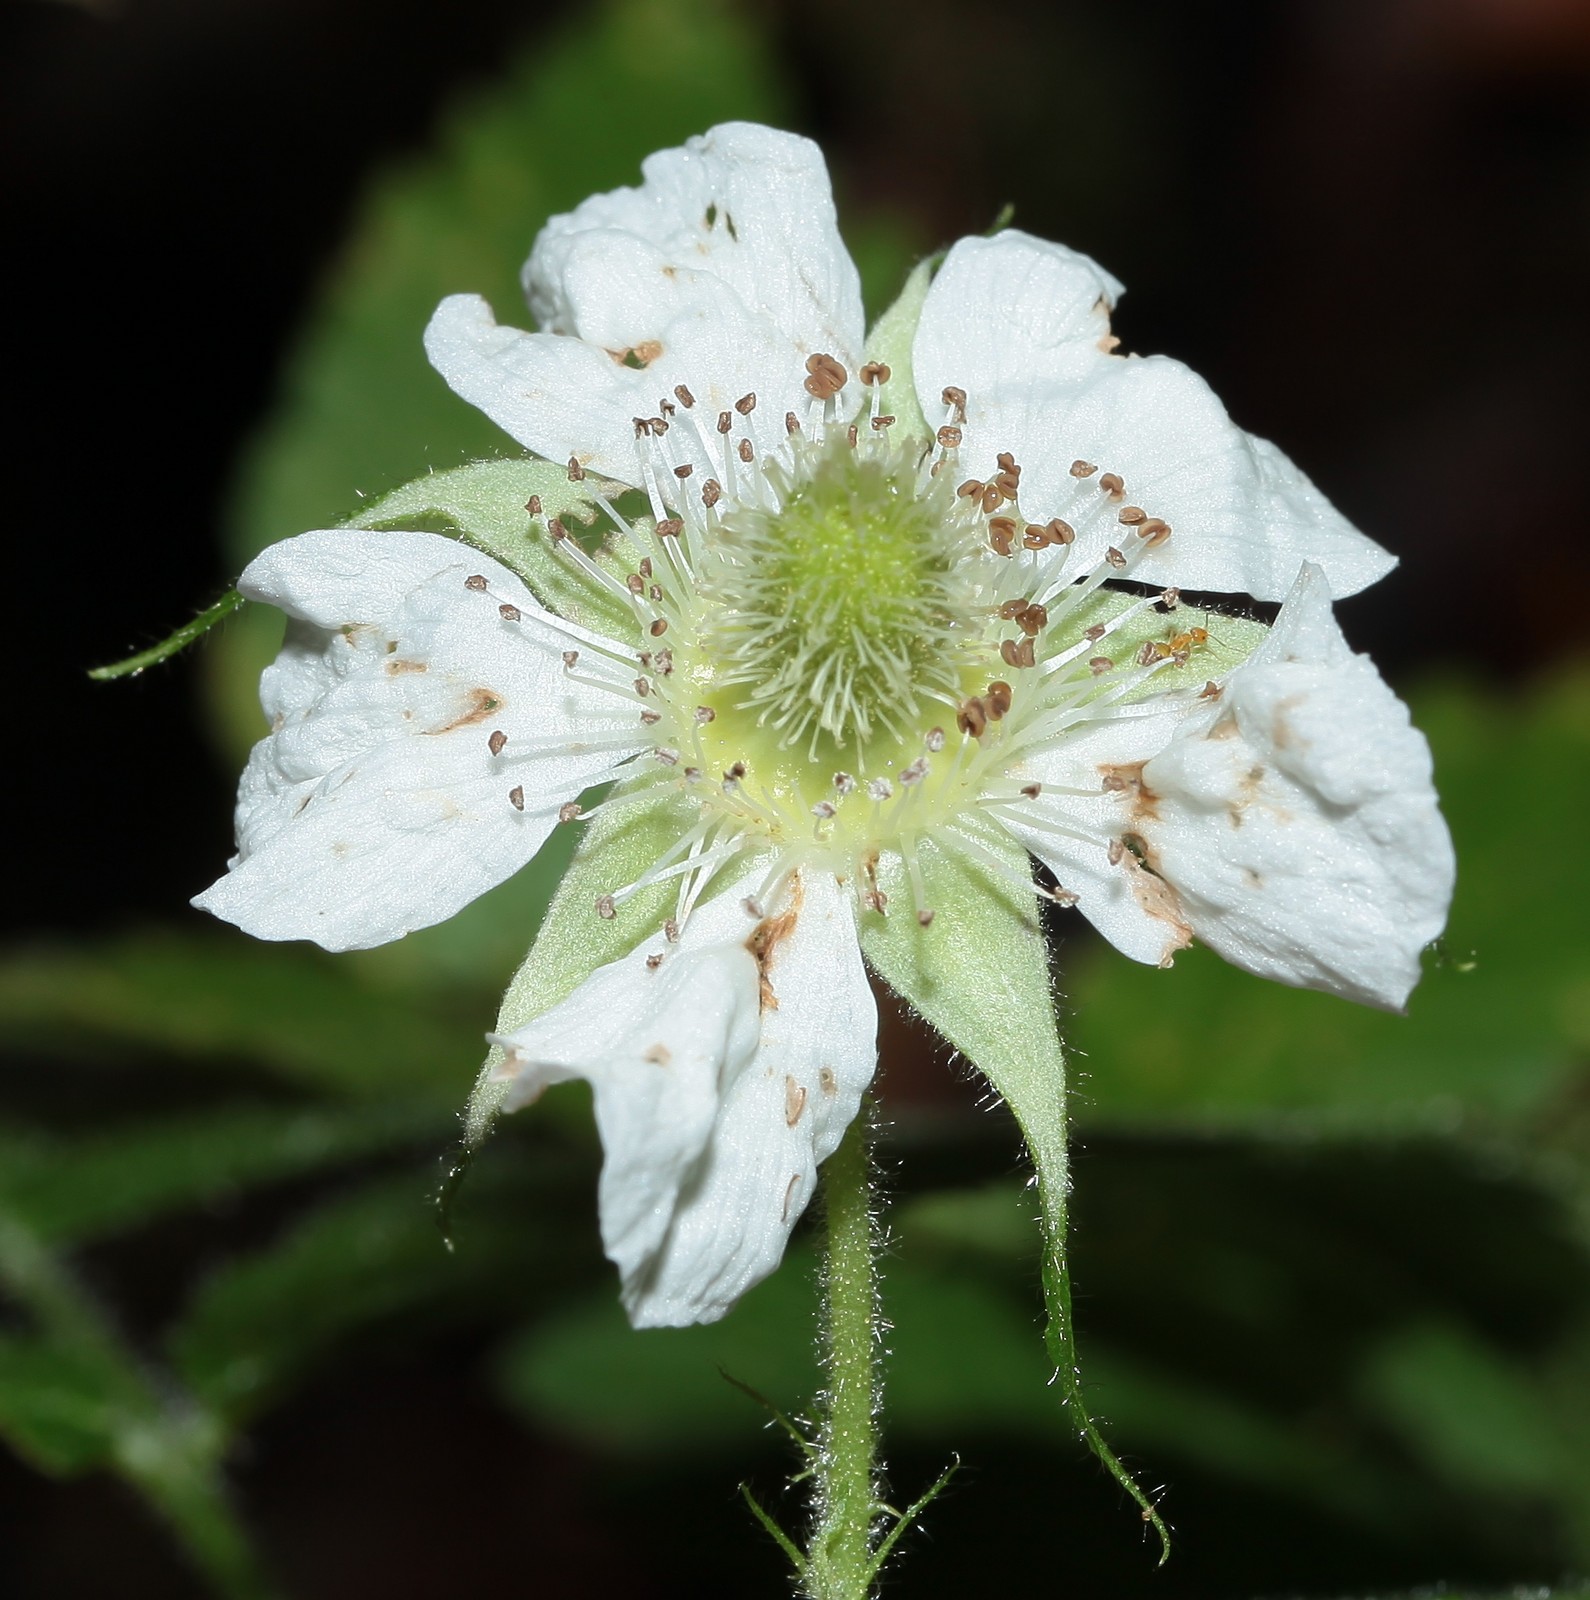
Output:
x=1496 y=1048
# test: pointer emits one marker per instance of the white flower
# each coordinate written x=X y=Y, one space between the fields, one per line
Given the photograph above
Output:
x=869 y=625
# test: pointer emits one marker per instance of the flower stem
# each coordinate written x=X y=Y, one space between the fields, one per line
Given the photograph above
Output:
x=841 y=1561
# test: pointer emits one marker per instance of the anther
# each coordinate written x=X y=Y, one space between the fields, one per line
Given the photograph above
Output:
x=914 y=773
x=556 y=532
x=1113 y=485
x=476 y=583
x=1083 y=469
x=934 y=740
x=1033 y=620
x=752 y=907
x=1099 y=665
x=684 y=396
x=997 y=699
x=655 y=591
x=852 y=433
x=972 y=718
x=1115 y=558
x=704 y=715
x=880 y=789
x=516 y=797
x=844 y=783
x=1031 y=791
x=1150 y=653
x=994 y=497
x=670 y=528
x=692 y=774
x=570 y=657
x=880 y=423
x=644 y=569
x=1114 y=783
x=1002 y=534
x=1210 y=691
x=725 y=422
x=634 y=583
x=823 y=810
x=792 y=424
x=684 y=471
x=1131 y=516
x=576 y=471
x=658 y=628
x=925 y=919
x=642 y=688
x=956 y=398
x=671 y=931
x=711 y=493
x=651 y=718
x=533 y=505
x=826 y=377
x=1018 y=654
x=642 y=427
x=606 y=908
x=510 y=613
x=875 y=372
x=745 y=452
x=665 y=663
x=496 y=742
x=1169 y=600
x=569 y=811
x=1095 y=633
x=949 y=436
x=659 y=427
x=746 y=404
x=668 y=758
x=1154 y=532
x=1116 y=853
x=653 y=962
x=972 y=489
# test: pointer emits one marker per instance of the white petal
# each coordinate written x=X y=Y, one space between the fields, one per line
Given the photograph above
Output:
x=1296 y=820
x=375 y=805
x=748 y=205
x=1127 y=905
x=702 y=1181
x=1006 y=313
x=1016 y=323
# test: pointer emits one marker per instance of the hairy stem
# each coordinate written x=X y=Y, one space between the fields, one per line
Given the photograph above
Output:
x=841 y=1561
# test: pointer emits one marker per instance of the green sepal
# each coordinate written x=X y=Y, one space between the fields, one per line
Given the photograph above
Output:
x=484 y=505
x=173 y=643
x=980 y=974
x=890 y=342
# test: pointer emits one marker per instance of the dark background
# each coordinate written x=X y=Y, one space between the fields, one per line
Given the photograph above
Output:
x=1366 y=222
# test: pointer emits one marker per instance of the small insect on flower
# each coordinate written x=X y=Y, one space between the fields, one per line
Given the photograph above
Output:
x=884 y=609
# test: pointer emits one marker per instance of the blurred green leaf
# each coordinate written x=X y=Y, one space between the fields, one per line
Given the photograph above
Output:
x=1499 y=1048
x=72 y=1190
x=59 y=1407
x=223 y=997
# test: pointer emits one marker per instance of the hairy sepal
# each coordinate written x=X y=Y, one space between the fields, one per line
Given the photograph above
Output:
x=484 y=505
x=980 y=974
x=890 y=340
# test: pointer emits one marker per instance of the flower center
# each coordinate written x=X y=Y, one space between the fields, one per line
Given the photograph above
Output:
x=845 y=611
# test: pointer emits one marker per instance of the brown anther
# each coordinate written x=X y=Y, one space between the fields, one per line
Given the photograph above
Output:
x=711 y=493
x=1115 y=558
x=1131 y=516
x=1151 y=653
x=475 y=583
x=1099 y=665
x=792 y=423
x=1210 y=691
x=875 y=372
x=645 y=567
x=1154 y=532
x=670 y=528
x=692 y=774
x=642 y=427
x=684 y=396
x=496 y=742
x=876 y=900
x=1007 y=463
x=934 y=740
x=1016 y=654
x=1002 y=534
x=956 y=398
x=997 y=698
x=684 y=471
x=516 y=797
x=826 y=377
x=665 y=662
x=569 y=811
x=1034 y=620
x=1031 y=791
x=949 y=436
x=570 y=657
x=1060 y=532
x=1113 y=485
x=924 y=919
x=844 y=783
x=642 y=688
x=1169 y=600
x=1114 y=783
x=606 y=908
x=651 y=718
x=823 y=810
x=1008 y=485
x=914 y=773
x=1096 y=632
x=1012 y=609
x=705 y=714
x=1083 y=469
x=972 y=718
x=667 y=407
x=880 y=423
x=533 y=505
x=1116 y=852
x=646 y=659
x=736 y=772
x=668 y=758
x=745 y=451
x=1033 y=537
x=671 y=931
x=658 y=427
x=972 y=489
x=556 y=532
x=725 y=422
x=634 y=582
x=510 y=613
x=658 y=628
x=746 y=404
x=653 y=962
x=852 y=433
x=576 y=471
x=993 y=497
